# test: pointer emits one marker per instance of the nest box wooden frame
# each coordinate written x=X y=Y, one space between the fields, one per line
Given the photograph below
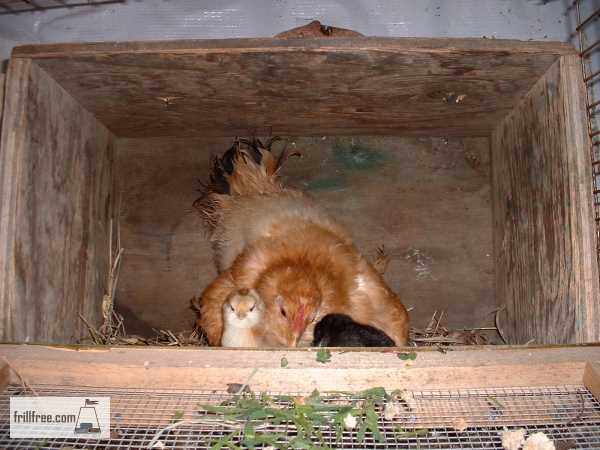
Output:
x=67 y=104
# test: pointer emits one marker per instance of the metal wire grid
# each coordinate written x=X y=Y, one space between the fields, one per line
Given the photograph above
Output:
x=20 y=6
x=466 y=419
x=588 y=34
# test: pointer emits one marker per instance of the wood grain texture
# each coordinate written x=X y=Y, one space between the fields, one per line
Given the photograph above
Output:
x=5 y=377
x=2 y=80
x=188 y=368
x=412 y=195
x=298 y=86
x=202 y=45
x=591 y=378
x=543 y=228
x=55 y=201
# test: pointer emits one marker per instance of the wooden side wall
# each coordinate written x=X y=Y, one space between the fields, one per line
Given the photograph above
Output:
x=546 y=268
x=56 y=168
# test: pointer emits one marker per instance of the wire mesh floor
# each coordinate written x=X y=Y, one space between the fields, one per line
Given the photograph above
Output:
x=466 y=419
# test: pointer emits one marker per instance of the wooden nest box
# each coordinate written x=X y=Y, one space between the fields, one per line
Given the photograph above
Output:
x=73 y=112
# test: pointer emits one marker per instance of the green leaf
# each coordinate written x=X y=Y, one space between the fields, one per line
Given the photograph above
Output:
x=224 y=441
x=373 y=426
x=401 y=433
x=221 y=409
x=376 y=393
x=178 y=415
x=314 y=398
x=495 y=402
x=323 y=355
x=377 y=435
x=250 y=444
x=371 y=417
x=249 y=403
x=339 y=421
x=300 y=443
x=284 y=398
x=407 y=356
x=249 y=432
x=320 y=437
x=269 y=438
x=259 y=414
x=284 y=362
x=362 y=430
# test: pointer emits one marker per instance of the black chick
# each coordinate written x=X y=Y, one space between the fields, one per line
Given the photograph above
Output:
x=339 y=330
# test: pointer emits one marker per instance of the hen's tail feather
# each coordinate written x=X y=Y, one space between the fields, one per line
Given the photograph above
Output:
x=248 y=167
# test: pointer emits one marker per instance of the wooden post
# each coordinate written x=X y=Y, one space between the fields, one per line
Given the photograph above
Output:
x=545 y=247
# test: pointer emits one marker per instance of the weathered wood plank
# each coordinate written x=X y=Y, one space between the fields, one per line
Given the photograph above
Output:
x=204 y=45
x=591 y=378
x=300 y=87
x=546 y=269
x=206 y=368
x=55 y=201
x=4 y=376
x=2 y=80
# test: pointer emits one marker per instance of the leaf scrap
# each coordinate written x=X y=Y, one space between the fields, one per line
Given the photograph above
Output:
x=309 y=415
x=407 y=356
x=323 y=356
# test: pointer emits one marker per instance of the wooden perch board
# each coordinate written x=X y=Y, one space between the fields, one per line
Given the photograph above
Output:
x=298 y=87
x=208 y=369
x=546 y=270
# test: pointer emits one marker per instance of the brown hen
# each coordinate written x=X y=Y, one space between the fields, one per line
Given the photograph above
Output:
x=279 y=242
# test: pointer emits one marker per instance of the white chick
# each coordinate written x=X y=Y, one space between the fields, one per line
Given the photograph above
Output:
x=242 y=312
x=538 y=441
x=513 y=439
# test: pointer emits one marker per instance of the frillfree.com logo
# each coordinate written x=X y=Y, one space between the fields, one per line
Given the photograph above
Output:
x=60 y=417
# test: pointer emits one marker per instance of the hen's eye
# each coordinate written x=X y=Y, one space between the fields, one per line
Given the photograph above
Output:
x=283 y=312
x=252 y=308
x=231 y=307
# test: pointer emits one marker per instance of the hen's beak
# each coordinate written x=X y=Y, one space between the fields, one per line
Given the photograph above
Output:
x=298 y=336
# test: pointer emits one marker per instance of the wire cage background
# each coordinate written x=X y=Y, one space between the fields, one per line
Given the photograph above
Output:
x=587 y=33
x=21 y=6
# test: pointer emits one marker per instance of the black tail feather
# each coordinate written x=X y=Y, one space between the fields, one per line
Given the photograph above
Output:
x=223 y=166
